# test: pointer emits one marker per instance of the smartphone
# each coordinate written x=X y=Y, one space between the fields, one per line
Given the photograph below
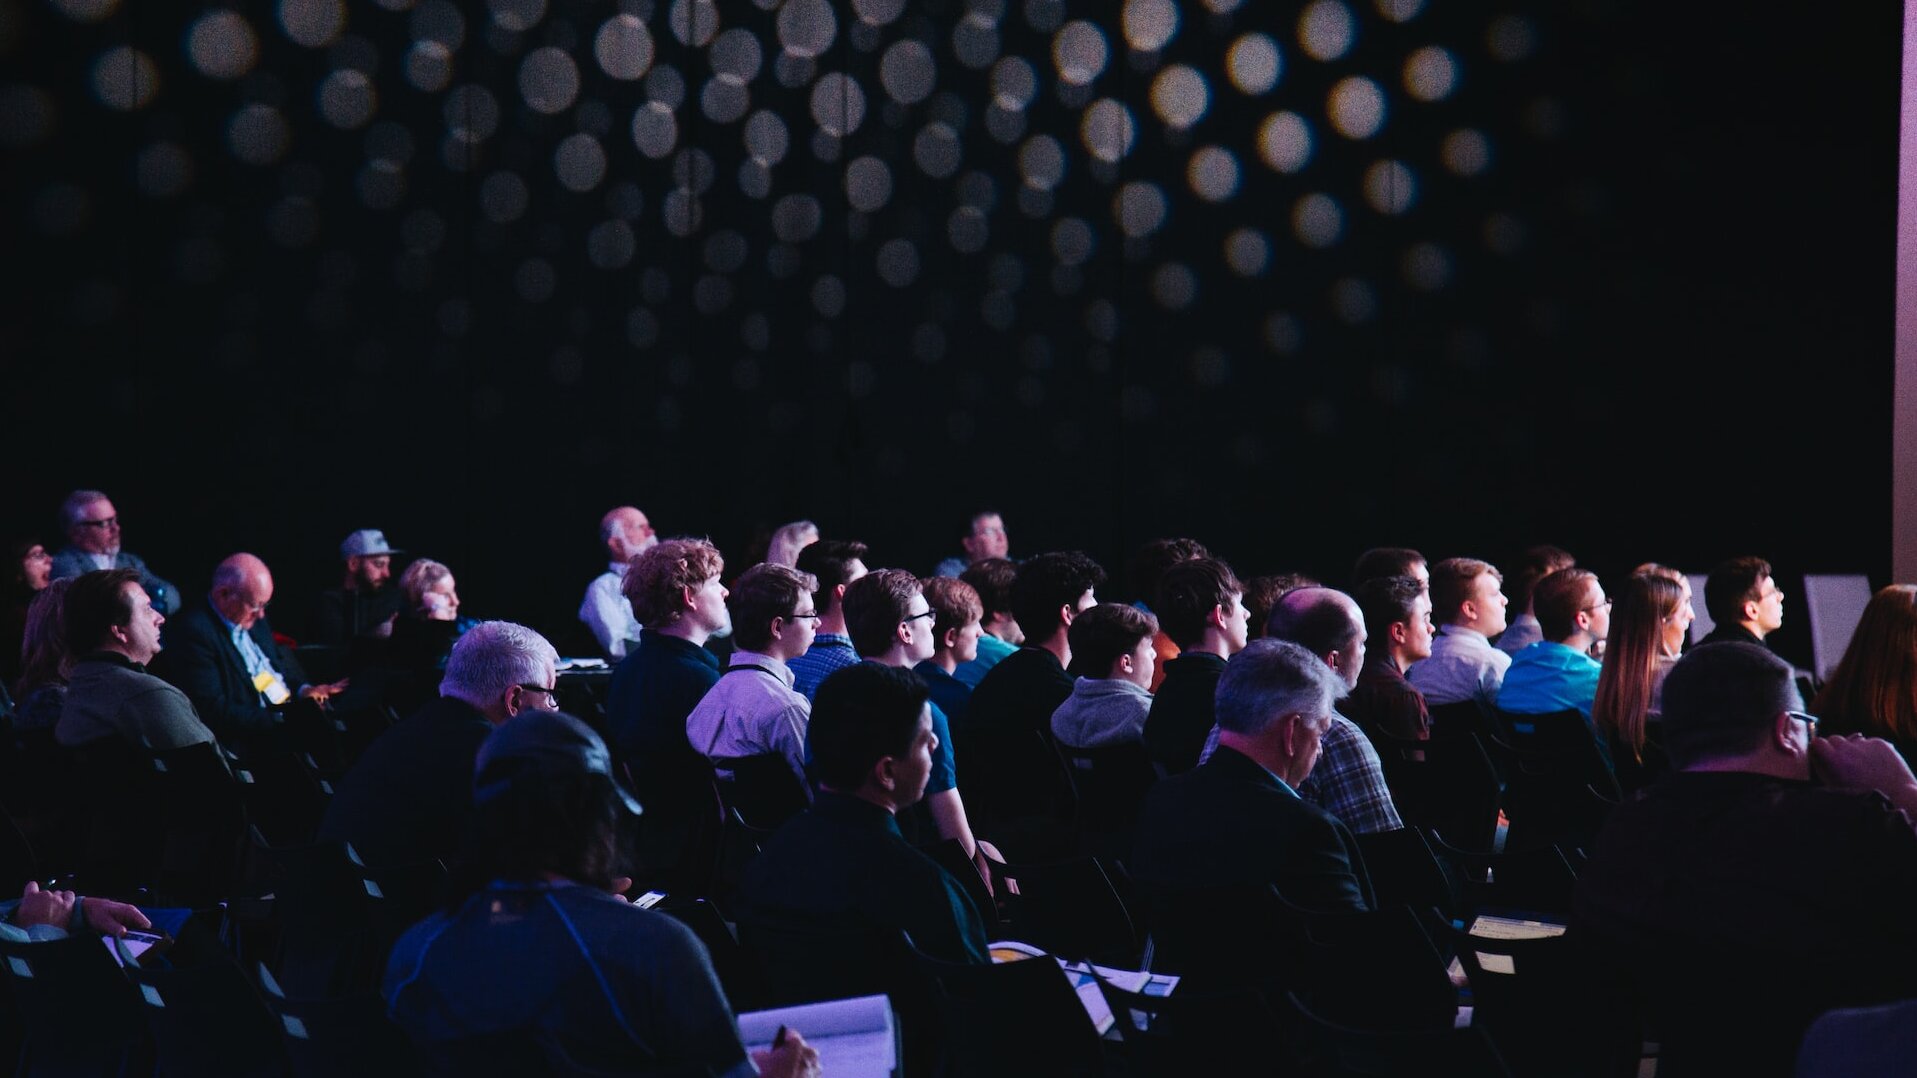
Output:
x=136 y=944
x=649 y=899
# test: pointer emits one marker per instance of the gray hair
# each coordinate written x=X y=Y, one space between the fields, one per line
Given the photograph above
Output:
x=77 y=501
x=1271 y=679
x=492 y=657
x=789 y=540
x=418 y=577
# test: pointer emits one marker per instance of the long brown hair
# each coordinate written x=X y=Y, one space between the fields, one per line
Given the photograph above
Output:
x=1874 y=690
x=1631 y=656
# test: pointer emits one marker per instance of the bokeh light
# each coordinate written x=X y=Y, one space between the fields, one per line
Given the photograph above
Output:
x=222 y=45
x=1326 y=30
x=1356 y=107
x=1430 y=74
x=1253 y=63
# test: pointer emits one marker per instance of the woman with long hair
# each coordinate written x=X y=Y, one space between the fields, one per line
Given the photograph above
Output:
x=1874 y=689
x=1648 y=624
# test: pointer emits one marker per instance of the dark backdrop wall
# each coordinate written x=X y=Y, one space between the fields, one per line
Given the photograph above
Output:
x=1292 y=279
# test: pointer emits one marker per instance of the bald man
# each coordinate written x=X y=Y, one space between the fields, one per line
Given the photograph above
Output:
x=626 y=533
x=222 y=654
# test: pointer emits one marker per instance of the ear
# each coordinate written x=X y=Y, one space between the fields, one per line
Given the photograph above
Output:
x=778 y=628
x=1782 y=733
x=1467 y=610
x=949 y=639
x=885 y=773
x=1067 y=614
x=1217 y=617
x=1400 y=632
x=1750 y=610
x=1125 y=663
x=685 y=599
x=1288 y=734
x=838 y=592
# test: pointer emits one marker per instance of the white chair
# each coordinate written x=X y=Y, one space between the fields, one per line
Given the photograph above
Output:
x=1835 y=604
x=1701 y=627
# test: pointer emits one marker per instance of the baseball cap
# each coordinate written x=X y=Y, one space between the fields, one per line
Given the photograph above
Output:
x=542 y=744
x=364 y=542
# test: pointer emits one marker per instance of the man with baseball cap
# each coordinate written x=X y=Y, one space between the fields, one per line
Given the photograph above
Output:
x=366 y=602
x=1770 y=879
x=544 y=967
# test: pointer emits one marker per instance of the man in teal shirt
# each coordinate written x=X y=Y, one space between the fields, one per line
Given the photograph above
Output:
x=1558 y=673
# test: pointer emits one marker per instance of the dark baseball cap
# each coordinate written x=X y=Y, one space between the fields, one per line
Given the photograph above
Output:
x=542 y=744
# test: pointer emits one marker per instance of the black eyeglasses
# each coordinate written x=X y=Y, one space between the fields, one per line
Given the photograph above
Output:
x=813 y=614
x=1809 y=720
x=1600 y=605
x=909 y=618
x=551 y=694
x=105 y=522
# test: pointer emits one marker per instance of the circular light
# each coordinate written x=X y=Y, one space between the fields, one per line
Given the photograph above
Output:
x=1079 y=52
x=838 y=104
x=795 y=218
x=1247 y=252
x=1503 y=234
x=828 y=296
x=125 y=79
x=472 y=110
x=346 y=99
x=503 y=197
x=1356 y=107
x=1400 y=10
x=1326 y=30
x=517 y=16
x=1148 y=25
x=1253 y=64
x=766 y=138
x=429 y=66
x=549 y=80
x=682 y=212
x=693 y=22
x=1390 y=187
x=381 y=184
x=1213 y=173
x=535 y=280
x=312 y=23
x=1107 y=130
x=1140 y=208
x=807 y=27
x=1072 y=242
x=724 y=99
x=1466 y=152
x=1317 y=220
x=222 y=45
x=967 y=230
x=1174 y=286
x=1430 y=74
x=258 y=135
x=441 y=22
x=1041 y=161
x=580 y=162
x=906 y=71
x=936 y=149
x=1180 y=96
x=86 y=10
x=868 y=184
x=1014 y=84
x=654 y=129
x=1284 y=142
x=898 y=263
x=736 y=53
x=975 y=40
x=878 y=12
x=1354 y=300
x=623 y=48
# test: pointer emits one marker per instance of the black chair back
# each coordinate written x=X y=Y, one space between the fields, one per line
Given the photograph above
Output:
x=1011 y=1018
x=763 y=789
x=1193 y=1033
x=207 y=1020
x=1069 y=908
x=347 y=1034
x=1111 y=782
x=78 y=1013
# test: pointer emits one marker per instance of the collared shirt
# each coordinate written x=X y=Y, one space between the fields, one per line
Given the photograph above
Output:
x=251 y=656
x=829 y=652
x=1523 y=631
x=1385 y=702
x=1463 y=666
x=1349 y=781
x=1547 y=677
x=990 y=650
x=608 y=613
x=752 y=711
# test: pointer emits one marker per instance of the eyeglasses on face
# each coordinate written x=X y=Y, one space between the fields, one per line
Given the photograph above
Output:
x=910 y=618
x=551 y=694
x=103 y=522
x=1809 y=720
x=813 y=614
x=1601 y=604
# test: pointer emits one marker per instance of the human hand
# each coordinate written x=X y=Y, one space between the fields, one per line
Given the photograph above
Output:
x=791 y=1059
x=1856 y=762
x=620 y=885
x=110 y=918
x=986 y=852
x=39 y=907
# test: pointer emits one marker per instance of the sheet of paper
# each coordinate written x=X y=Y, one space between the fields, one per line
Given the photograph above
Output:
x=855 y=1037
x=1512 y=928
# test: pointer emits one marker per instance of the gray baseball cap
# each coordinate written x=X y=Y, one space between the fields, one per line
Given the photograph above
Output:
x=365 y=542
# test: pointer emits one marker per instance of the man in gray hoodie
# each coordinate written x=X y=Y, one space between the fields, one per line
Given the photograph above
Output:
x=1112 y=647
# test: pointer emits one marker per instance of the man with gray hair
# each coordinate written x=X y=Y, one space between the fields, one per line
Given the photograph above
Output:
x=93 y=542
x=1237 y=819
x=409 y=798
x=626 y=534
x=1769 y=879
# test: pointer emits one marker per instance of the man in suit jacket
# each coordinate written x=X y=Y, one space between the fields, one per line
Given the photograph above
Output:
x=222 y=654
x=93 y=542
x=1237 y=820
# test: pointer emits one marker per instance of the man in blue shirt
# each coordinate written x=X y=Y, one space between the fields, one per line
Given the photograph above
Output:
x=836 y=563
x=983 y=537
x=999 y=634
x=1558 y=673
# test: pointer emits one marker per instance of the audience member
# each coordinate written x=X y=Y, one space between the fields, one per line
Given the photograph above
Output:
x=784 y=547
x=843 y=865
x=41 y=916
x=1647 y=633
x=1114 y=644
x=424 y=633
x=836 y=564
x=1010 y=716
x=1390 y=561
x=1263 y=592
x=41 y=693
x=222 y=654
x=1534 y=565
x=93 y=542
x=1201 y=607
x=1558 y=673
x=999 y=634
x=982 y=537
x=1399 y=609
x=1467 y=600
x=1769 y=879
x=626 y=534
x=113 y=631
x=32 y=570
x=1238 y=819
x=956 y=616
x=1146 y=569
x=892 y=625
x=538 y=966
x=1348 y=781
x=365 y=603
x=1873 y=691
x=1744 y=601
x=753 y=710
x=408 y=798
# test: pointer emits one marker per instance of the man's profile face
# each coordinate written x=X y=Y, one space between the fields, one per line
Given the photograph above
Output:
x=1418 y=630
x=965 y=648
x=988 y=539
x=1770 y=606
x=143 y=628
x=921 y=642
x=1237 y=624
x=1598 y=608
x=709 y=606
x=1492 y=604
x=1352 y=658
x=244 y=603
x=1312 y=729
x=911 y=771
x=635 y=535
x=371 y=572
x=97 y=531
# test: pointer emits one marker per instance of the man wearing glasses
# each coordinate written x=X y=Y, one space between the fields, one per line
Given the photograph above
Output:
x=754 y=710
x=93 y=542
x=1769 y=879
x=1745 y=602
x=409 y=797
x=1558 y=673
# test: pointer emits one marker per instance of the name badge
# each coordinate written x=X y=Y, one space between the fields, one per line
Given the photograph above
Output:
x=273 y=687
